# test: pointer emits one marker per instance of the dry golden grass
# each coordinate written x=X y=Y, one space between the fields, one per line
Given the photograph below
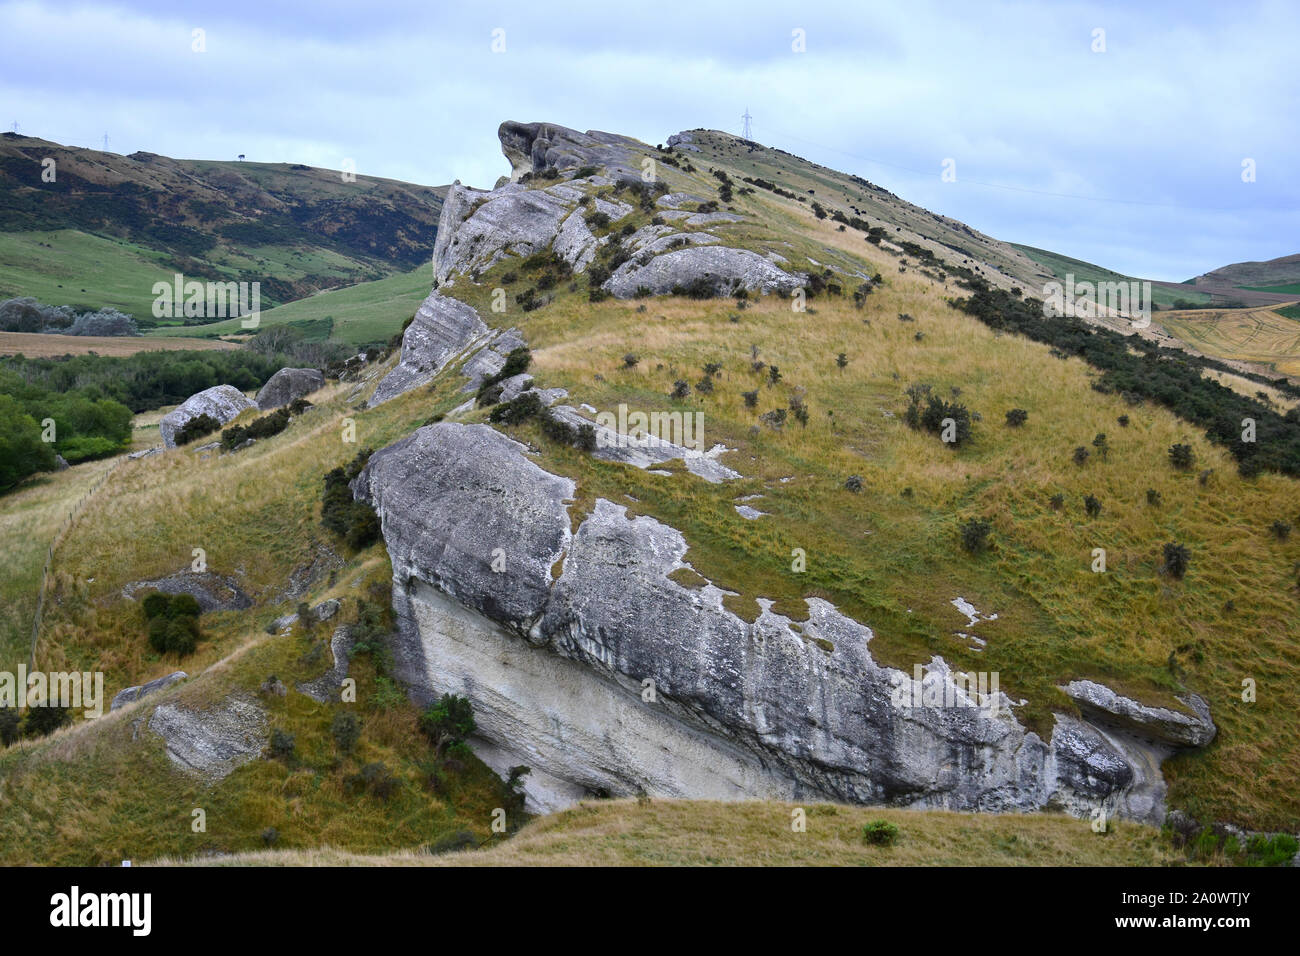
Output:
x=760 y=833
x=40 y=345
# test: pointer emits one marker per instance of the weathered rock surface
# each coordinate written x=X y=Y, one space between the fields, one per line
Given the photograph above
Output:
x=556 y=646
x=534 y=146
x=287 y=385
x=222 y=402
x=724 y=268
x=214 y=592
x=129 y=695
x=211 y=743
x=325 y=689
x=443 y=329
x=648 y=450
x=1159 y=724
x=512 y=220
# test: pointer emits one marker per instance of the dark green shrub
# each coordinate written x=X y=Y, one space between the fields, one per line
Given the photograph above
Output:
x=45 y=720
x=1281 y=529
x=184 y=605
x=1017 y=417
x=880 y=833
x=1177 y=557
x=853 y=483
x=1080 y=456
x=1181 y=456
x=526 y=406
x=1092 y=506
x=182 y=635
x=681 y=388
x=9 y=725
x=448 y=720
x=197 y=427
x=282 y=743
x=157 y=631
x=155 y=604
x=1057 y=501
x=975 y=535
x=345 y=731
x=1153 y=498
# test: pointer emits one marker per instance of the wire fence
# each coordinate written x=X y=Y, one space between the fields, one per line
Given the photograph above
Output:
x=68 y=522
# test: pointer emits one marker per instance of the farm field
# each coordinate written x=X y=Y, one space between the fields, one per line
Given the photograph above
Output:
x=1261 y=336
x=42 y=345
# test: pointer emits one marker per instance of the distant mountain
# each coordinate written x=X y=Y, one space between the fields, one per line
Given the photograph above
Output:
x=1277 y=280
x=96 y=228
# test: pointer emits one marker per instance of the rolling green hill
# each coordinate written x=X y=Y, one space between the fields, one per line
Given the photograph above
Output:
x=108 y=226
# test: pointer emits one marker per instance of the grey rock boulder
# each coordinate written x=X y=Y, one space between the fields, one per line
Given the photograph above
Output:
x=287 y=385
x=214 y=592
x=131 y=694
x=443 y=329
x=725 y=269
x=512 y=220
x=212 y=743
x=496 y=509
x=222 y=402
x=535 y=146
x=1159 y=724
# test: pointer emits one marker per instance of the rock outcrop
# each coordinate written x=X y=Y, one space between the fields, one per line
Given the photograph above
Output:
x=222 y=402
x=129 y=695
x=214 y=592
x=588 y=662
x=535 y=146
x=443 y=329
x=722 y=269
x=287 y=385
x=212 y=743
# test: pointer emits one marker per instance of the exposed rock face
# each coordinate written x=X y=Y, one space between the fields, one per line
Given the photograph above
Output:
x=723 y=268
x=325 y=689
x=443 y=328
x=131 y=694
x=646 y=451
x=213 y=591
x=556 y=656
x=287 y=385
x=211 y=743
x=222 y=402
x=512 y=220
x=1158 y=724
x=534 y=146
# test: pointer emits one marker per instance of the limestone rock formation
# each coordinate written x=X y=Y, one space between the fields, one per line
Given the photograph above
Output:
x=722 y=268
x=222 y=402
x=556 y=635
x=534 y=146
x=211 y=743
x=214 y=592
x=131 y=694
x=287 y=385
x=443 y=328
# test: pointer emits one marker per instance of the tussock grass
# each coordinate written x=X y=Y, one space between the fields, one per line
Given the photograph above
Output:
x=758 y=833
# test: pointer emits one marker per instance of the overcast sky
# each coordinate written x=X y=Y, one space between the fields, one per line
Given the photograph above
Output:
x=1131 y=157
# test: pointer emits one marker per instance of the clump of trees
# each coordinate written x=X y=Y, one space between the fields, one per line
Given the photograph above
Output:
x=172 y=622
x=354 y=521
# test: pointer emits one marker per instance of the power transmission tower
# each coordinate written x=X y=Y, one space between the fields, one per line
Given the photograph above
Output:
x=106 y=142
x=746 y=134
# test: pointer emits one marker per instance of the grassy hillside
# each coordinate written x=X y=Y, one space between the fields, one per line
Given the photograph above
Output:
x=759 y=833
x=366 y=312
x=110 y=226
x=888 y=555
x=1163 y=294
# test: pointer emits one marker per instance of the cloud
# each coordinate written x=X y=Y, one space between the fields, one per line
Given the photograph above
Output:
x=1043 y=130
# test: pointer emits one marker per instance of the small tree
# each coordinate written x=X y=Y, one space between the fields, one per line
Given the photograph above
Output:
x=1182 y=457
x=1099 y=443
x=447 y=721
